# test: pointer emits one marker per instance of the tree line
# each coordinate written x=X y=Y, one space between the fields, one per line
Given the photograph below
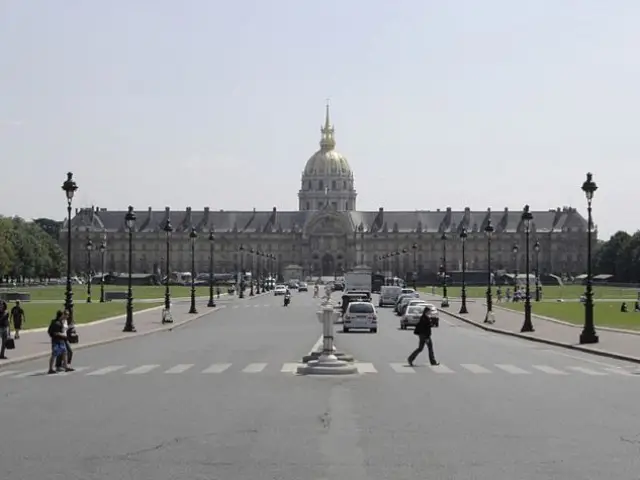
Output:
x=30 y=250
x=619 y=256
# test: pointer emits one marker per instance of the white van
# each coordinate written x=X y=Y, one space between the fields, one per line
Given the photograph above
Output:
x=360 y=315
x=389 y=294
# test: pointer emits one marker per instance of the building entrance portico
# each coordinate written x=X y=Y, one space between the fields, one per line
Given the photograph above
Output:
x=328 y=265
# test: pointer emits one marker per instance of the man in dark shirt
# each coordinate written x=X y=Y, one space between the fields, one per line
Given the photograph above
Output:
x=58 y=343
x=18 y=318
x=4 y=328
x=423 y=331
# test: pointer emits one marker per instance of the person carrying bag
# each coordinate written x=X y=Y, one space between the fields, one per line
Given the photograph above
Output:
x=423 y=332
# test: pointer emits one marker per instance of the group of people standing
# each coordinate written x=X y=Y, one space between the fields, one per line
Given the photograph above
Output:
x=15 y=316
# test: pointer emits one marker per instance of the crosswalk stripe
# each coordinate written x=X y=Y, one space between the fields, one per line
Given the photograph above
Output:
x=365 y=367
x=5 y=373
x=75 y=370
x=142 y=369
x=257 y=306
x=106 y=370
x=290 y=367
x=586 y=370
x=474 y=368
x=549 y=370
x=236 y=306
x=441 y=369
x=402 y=368
x=622 y=371
x=183 y=367
x=28 y=374
x=254 y=368
x=217 y=368
x=512 y=369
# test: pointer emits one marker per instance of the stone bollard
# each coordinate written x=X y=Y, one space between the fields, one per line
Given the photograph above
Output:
x=334 y=315
x=327 y=363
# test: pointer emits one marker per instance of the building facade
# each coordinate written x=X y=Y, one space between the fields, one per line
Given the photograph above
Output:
x=327 y=234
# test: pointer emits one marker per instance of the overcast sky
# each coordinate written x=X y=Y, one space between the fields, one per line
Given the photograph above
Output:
x=492 y=103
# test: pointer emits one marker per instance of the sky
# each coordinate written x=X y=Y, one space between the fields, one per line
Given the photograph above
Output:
x=436 y=104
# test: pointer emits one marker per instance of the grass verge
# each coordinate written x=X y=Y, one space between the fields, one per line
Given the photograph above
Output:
x=548 y=292
x=56 y=292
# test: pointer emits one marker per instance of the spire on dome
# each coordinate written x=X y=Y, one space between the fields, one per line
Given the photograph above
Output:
x=327 y=140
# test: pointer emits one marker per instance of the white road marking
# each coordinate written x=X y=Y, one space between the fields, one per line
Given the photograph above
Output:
x=474 y=368
x=586 y=371
x=236 y=306
x=316 y=346
x=106 y=370
x=75 y=370
x=549 y=370
x=577 y=357
x=183 y=367
x=217 y=368
x=402 y=368
x=512 y=369
x=622 y=371
x=5 y=373
x=141 y=369
x=441 y=369
x=29 y=374
x=290 y=367
x=254 y=367
x=365 y=367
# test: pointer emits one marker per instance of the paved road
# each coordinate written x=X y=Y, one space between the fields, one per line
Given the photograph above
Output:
x=211 y=401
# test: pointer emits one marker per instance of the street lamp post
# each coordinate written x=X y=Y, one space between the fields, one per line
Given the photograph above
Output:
x=463 y=306
x=589 y=334
x=89 y=247
x=445 y=297
x=253 y=271
x=515 y=250
x=130 y=222
x=212 y=241
x=259 y=271
x=414 y=247
x=527 y=326
x=193 y=235
x=69 y=187
x=241 y=286
x=168 y=230
x=536 y=249
x=488 y=230
x=103 y=251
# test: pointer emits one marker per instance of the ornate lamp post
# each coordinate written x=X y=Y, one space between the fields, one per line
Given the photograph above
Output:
x=89 y=247
x=130 y=223
x=488 y=230
x=168 y=230
x=193 y=235
x=259 y=271
x=445 y=297
x=241 y=286
x=212 y=241
x=69 y=187
x=103 y=251
x=253 y=270
x=514 y=250
x=527 y=326
x=536 y=249
x=463 y=306
x=589 y=334
x=414 y=247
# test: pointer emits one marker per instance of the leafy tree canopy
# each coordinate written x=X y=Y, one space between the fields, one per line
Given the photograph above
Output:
x=620 y=256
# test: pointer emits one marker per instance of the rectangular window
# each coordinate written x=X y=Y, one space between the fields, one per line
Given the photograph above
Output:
x=321 y=185
x=333 y=184
x=334 y=205
x=308 y=205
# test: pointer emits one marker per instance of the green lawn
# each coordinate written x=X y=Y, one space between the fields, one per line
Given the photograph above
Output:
x=80 y=291
x=549 y=292
x=40 y=314
x=606 y=314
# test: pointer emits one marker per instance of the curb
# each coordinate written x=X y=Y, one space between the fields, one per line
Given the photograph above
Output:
x=561 y=322
x=83 y=346
x=570 y=346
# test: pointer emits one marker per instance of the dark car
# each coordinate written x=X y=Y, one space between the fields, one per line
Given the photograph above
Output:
x=303 y=287
x=338 y=287
x=352 y=297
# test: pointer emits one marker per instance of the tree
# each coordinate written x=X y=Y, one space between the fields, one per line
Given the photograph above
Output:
x=27 y=250
x=620 y=256
x=52 y=227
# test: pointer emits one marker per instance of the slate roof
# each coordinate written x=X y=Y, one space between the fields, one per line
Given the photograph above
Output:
x=447 y=220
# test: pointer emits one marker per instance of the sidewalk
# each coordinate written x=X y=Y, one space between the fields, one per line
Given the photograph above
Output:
x=616 y=344
x=36 y=343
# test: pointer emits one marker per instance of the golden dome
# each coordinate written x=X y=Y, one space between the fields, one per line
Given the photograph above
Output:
x=327 y=161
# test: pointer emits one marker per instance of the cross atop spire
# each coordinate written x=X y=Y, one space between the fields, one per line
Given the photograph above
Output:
x=327 y=140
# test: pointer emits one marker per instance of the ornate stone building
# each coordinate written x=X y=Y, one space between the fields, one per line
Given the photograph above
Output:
x=327 y=234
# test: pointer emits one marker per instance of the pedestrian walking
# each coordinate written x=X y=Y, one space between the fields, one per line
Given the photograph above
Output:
x=67 y=331
x=17 y=318
x=423 y=331
x=58 y=343
x=4 y=328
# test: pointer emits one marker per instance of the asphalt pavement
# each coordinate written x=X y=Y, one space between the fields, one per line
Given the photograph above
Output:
x=218 y=399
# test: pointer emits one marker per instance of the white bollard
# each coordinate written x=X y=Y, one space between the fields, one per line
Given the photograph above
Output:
x=327 y=334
